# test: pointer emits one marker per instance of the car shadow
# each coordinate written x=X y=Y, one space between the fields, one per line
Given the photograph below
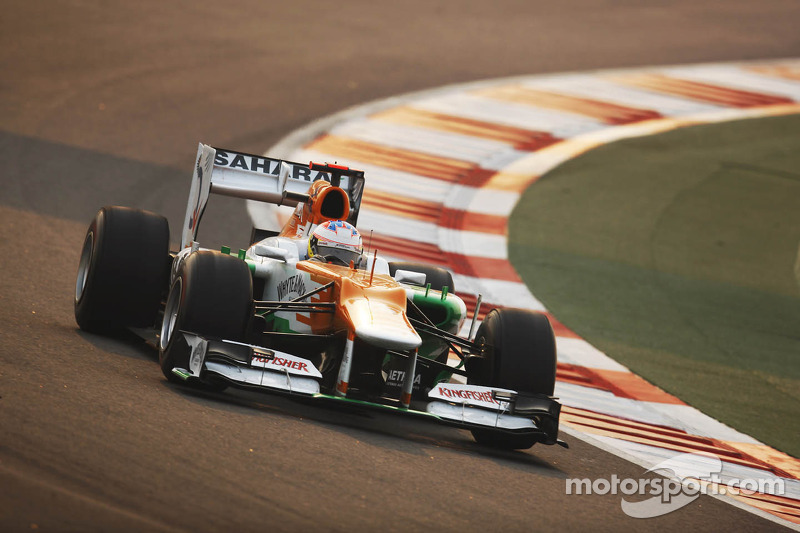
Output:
x=394 y=431
x=124 y=343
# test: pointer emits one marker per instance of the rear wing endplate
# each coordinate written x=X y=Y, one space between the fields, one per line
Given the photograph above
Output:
x=259 y=178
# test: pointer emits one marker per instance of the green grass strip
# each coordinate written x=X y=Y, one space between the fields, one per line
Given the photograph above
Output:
x=678 y=255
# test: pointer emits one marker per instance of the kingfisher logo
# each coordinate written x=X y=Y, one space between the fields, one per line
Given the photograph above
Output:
x=284 y=362
x=475 y=395
x=478 y=396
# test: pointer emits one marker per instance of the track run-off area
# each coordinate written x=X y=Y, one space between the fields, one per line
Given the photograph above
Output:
x=446 y=168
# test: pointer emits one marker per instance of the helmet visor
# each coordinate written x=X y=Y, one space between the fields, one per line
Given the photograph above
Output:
x=338 y=255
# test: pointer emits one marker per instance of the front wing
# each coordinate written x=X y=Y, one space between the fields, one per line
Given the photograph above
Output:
x=465 y=406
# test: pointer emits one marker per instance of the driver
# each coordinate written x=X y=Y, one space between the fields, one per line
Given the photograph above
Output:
x=336 y=241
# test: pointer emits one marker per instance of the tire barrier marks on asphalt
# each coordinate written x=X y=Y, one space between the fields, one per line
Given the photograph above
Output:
x=446 y=167
x=606 y=112
x=705 y=92
x=518 y=138
x=665 y=437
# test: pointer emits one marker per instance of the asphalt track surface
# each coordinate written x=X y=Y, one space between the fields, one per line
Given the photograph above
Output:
x=104 y=103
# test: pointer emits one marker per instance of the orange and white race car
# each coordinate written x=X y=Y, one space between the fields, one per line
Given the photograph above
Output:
x=307 y=311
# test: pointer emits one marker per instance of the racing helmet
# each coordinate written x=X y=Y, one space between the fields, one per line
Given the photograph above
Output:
x=336 y=241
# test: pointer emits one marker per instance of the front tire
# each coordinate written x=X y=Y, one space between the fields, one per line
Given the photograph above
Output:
x=123 y=270
x=212 y=296
x=518 y=353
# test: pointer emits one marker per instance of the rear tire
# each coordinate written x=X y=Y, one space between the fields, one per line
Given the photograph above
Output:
x=437 y=277
x=123 y=270
x=519 y=353
x=212 y=296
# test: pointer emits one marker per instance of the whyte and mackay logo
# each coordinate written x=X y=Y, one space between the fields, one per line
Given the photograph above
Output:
x=688 y=476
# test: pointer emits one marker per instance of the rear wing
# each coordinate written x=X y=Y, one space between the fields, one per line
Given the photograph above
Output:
x=260 y=178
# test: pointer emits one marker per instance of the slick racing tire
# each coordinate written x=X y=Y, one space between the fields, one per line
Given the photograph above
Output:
x=211 y=296
x=519 y=353
x=437 y=277
x=123 y=270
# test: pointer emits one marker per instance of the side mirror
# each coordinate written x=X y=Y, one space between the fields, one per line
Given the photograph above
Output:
x=409 y=277
x=271 y=252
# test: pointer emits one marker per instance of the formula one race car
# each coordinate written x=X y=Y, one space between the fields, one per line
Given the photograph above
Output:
x=305 y=311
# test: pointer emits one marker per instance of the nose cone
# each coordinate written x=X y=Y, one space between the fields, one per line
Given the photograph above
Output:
x=378 y=317
x=387 y=329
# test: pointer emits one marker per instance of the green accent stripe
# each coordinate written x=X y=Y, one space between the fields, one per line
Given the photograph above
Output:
x=181 y=374
x=379 y=406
